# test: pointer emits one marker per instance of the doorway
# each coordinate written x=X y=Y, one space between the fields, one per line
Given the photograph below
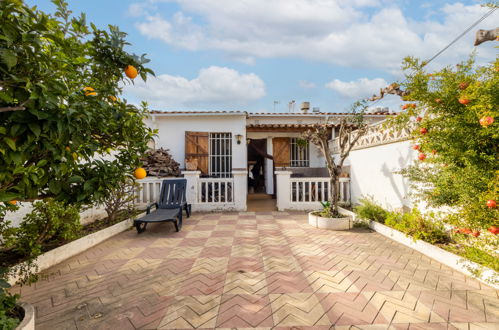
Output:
x=257 y=150
x=258 y=199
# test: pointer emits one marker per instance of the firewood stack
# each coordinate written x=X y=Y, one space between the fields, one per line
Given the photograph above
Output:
x=159 y=162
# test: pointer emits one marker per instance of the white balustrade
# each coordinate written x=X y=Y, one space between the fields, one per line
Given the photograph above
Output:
x=204 y=194
x=312 y=190
x=148 y=190
x=216 y=190
x=307 y=193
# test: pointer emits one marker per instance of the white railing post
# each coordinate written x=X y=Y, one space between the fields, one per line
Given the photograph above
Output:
x=192 y=178
x=283 y=189
x=240 y=189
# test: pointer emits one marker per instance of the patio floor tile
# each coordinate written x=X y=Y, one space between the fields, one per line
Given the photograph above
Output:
x=257 y=270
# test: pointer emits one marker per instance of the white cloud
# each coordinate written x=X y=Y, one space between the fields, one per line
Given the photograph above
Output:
x=214 y=87
x=333 y=31
x=306 y=84
x=359 y=88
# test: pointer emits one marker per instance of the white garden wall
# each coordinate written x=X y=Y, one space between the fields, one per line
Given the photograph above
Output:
x=86 y=216
x=372 y=172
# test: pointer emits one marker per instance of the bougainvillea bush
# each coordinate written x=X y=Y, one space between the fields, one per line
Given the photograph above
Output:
x=455 y=114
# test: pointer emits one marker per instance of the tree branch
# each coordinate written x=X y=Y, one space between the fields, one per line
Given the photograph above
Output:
x=20 y=107
x=344 y=153
x=7 y=109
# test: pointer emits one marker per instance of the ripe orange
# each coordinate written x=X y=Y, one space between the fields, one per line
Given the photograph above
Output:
x=140 y=173
x=13 y=202
x=89 y=91
x=131 y=72
x=112 y=98
x=68 y=148
x=464 y=101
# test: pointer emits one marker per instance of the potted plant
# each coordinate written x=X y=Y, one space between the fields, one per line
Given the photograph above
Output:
x=13 y=314
x=351 y=129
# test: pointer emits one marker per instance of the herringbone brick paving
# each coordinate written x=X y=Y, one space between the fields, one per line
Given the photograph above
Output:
x=257 y=270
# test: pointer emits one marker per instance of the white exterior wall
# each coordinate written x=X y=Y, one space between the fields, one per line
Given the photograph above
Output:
x=372 y=173
x=171 y=133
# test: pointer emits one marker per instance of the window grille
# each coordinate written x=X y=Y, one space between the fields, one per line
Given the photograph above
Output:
x=299 y=154
x=220 y=154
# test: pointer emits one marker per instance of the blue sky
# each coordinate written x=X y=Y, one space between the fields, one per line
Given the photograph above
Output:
x=246 y=54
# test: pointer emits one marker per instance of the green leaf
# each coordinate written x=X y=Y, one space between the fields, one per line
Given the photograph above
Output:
x=35 y=128
x=9 y=57
x=54 y=187
x=4 y=284
x=15 y=129
x=75 y=179
x=17 y=157
x=10 y=142
x=3 y=130
x=7 y=196
x=42 y=163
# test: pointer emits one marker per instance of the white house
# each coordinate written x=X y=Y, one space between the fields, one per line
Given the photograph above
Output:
x=226 y=155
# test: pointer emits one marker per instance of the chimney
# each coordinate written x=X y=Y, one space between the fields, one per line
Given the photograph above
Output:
x=305 y=106
x=316 y=109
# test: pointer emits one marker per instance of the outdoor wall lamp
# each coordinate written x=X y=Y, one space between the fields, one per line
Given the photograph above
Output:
x=239 y=137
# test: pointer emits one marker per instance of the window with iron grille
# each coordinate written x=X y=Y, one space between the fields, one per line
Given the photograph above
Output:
x=299 y=153
x=220 y=153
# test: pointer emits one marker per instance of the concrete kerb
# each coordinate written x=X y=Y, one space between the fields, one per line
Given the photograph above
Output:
x=467 y=267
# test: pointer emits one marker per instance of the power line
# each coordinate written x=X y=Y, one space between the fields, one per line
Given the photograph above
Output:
x=490 y=12
x=461 y=35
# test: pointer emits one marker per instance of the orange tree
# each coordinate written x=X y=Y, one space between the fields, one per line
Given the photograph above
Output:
x=60 y=80
x=455 y=114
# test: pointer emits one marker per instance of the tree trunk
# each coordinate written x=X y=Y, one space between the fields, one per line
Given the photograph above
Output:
x=333 y=194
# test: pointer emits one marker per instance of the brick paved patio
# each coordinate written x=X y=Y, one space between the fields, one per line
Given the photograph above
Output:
x=266 y=270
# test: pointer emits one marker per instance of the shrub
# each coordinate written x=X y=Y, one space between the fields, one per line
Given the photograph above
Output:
x=9 y=314
x=50 y=219
x=461 y=169
x=368 y=209
x=120 y=199
x=416 y=225
x=479 y=256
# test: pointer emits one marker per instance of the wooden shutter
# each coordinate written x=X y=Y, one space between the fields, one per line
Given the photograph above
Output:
x=196 y=147
x=280 y=147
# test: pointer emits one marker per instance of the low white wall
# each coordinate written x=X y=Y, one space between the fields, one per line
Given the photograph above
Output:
x=372 y=172
x=86 y=216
